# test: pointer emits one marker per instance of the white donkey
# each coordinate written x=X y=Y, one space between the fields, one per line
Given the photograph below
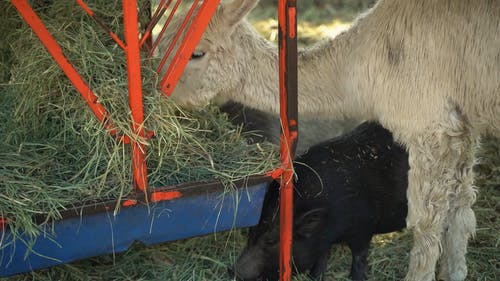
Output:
x=428 y=70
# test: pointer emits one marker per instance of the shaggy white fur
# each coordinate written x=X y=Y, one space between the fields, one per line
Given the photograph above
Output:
x=428 y=70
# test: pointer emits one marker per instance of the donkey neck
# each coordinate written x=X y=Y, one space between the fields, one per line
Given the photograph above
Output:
x=320 y=69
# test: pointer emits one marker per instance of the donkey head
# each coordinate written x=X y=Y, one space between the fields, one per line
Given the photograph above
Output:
x=214 y=67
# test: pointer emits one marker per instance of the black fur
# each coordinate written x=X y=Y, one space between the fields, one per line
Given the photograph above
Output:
x=362 y=192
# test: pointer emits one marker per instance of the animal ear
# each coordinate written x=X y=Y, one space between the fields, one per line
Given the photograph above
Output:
x=236 y=10
x=310 y=222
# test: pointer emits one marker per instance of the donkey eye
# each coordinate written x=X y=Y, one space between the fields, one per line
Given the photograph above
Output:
x=197 y=55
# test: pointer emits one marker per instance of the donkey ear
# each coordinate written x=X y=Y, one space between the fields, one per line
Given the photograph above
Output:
x=236 y=10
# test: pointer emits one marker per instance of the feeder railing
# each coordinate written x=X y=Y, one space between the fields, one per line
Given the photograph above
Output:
x=164 y=28
x=187 y=46
x=132 y=51
x=160 y=10
x=133 y=69
x=287 y=26
x=202 y=14
x=57 y=54
x=176 y=37
x=101 y=24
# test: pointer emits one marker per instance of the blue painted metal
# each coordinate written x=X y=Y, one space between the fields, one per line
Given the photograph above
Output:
x=102 y=233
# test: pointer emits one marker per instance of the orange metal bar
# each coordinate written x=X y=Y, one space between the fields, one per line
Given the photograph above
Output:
x=177 y=36
x=101 y=23
x=162 y=7
x=56 y=52
x=139 y=168
x=183 y=54
x=165 y=195
x=287 y=27
x=3 y=222
x=164 y=28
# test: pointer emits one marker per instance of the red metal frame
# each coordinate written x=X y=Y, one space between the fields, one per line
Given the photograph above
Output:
x=56 y=52
x=3 y=222
x=287 y=26
x=133 y=69
x=162 y=7
x=101 y=23
x=164 y=28
x=132 y=50
x=146 y=10
x=193 y=36
x=176 y=37
x=288 y=90
x=130 y=20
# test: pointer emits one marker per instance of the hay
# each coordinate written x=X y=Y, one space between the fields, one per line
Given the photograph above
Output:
x=53 y=151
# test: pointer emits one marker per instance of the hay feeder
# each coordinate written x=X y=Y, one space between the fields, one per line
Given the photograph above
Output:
x=153 y=215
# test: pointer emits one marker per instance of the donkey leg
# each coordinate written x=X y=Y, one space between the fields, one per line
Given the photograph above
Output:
x=461 y=221
x=427 y=209
x=439 y=197
x=461 y=226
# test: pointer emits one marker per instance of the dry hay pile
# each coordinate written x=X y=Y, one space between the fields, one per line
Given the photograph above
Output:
x=53 y=151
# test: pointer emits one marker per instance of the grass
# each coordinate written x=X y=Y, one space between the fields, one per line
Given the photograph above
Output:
x=206 y=258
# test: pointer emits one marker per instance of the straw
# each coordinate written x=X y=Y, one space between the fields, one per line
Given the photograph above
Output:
x=55 y=154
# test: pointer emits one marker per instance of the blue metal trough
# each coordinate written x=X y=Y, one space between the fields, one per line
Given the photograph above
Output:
x=93 y=229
